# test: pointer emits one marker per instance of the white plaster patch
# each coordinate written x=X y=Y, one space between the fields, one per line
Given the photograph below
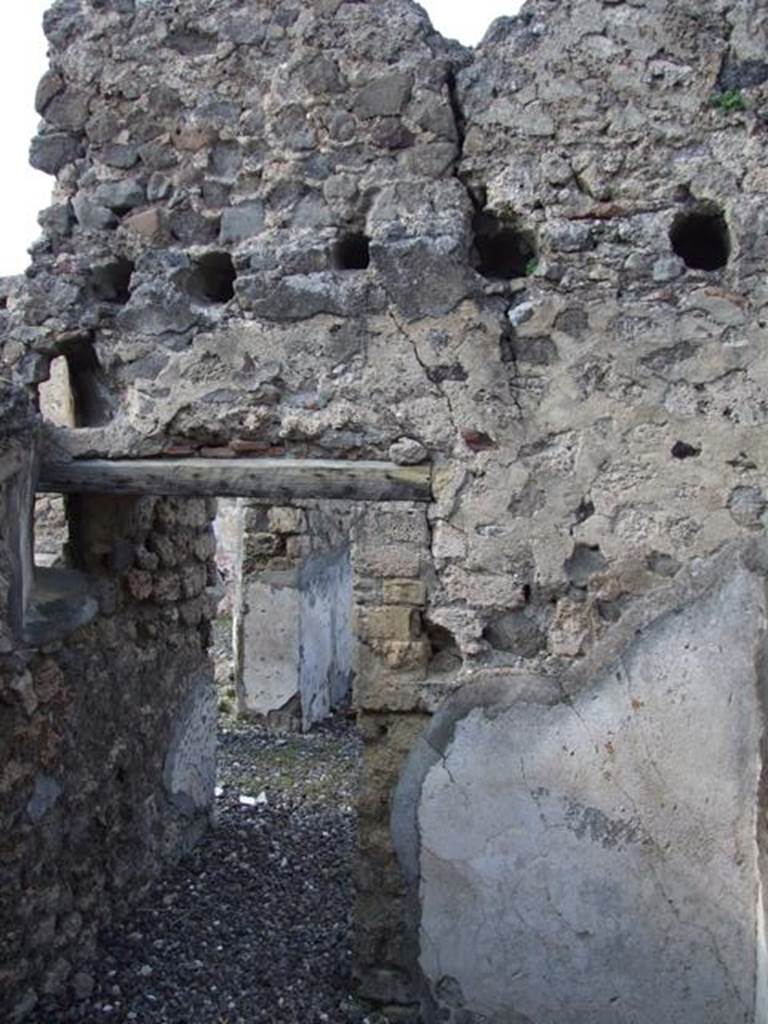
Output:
x=597 y=861
x=270 y=642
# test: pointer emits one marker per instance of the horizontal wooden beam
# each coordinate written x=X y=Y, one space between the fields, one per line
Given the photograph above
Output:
x=275 y=479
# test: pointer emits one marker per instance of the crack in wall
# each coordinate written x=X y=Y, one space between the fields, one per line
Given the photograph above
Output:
x=426 y=368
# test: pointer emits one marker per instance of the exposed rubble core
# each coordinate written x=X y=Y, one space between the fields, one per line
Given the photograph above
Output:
x=319 y=230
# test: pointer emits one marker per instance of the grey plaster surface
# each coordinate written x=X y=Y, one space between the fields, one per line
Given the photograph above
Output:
x=595 y=860
x=190 y=764
x=326 y=637
x=270 y=642
x=295 y=637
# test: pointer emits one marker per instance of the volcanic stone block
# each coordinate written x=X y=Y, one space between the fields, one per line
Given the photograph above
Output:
x=92 y=216
x=437 y=263
x=384 y=96
x=241 y=222
x=49 y=153
x=121 y=195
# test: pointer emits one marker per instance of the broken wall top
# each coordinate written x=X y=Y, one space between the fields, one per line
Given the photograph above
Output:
x=267 y=237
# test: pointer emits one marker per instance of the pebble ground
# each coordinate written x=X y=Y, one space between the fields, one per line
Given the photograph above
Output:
x=255 y=924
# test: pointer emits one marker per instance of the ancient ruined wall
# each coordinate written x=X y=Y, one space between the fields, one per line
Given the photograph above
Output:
x=563 y=816
x=319 y=229
x=237 y=193
x=392 y=566
x=552 y=399
x=107 y=712
x=640 y=380
x=253 y=163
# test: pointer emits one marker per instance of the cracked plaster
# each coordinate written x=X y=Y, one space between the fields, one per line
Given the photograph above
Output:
x=590 y=852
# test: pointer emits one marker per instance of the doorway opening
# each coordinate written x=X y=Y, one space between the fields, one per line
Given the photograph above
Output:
x=272 y=881
x=254 y=923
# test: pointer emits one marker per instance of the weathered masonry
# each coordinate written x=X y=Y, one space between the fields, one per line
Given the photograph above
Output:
x=285 y=232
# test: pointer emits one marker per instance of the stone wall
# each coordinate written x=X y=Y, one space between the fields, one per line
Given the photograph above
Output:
x=107 y=715
x=574 y=826
x=544 y=391
x=319 y=229
x=394 y=689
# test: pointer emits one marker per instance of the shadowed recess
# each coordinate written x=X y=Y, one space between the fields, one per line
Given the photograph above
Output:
x=112 y=281
x=502 y=250
x=701 y=239
x=352 y=252
x=213 y=279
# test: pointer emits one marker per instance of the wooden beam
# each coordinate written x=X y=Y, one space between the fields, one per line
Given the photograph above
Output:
x=275 y=479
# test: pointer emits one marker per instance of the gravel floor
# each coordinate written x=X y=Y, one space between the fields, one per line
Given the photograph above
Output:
x=255 y=924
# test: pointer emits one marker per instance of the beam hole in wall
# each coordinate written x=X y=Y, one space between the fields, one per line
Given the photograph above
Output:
x=701 y=239
x=213 y=278
x=93 y=405
x=502 y=249
x=111 y=282
x=351 y=252
x=76 y=393
x=683 y=450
